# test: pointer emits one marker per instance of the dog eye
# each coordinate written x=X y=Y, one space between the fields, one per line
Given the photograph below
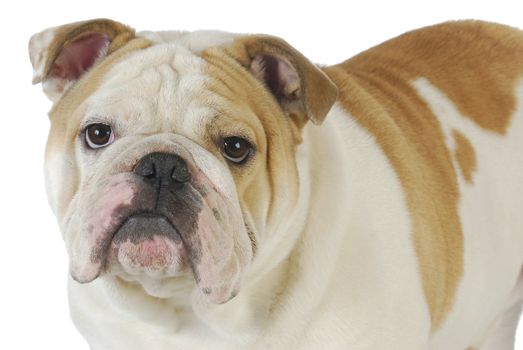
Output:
x=98 y=135
x=236 y=149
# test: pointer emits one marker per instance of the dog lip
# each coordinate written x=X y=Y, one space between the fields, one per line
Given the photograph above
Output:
x=147 y=216
x=113 y=237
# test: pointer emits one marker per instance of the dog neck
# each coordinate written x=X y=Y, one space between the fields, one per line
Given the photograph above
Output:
x=276 y=278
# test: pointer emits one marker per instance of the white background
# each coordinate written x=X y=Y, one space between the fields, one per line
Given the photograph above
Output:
x=33 y=264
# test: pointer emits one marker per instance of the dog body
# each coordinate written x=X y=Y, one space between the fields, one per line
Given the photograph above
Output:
x=395 y=224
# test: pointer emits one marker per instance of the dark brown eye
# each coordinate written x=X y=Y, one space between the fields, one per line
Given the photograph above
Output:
x=236 y=149
x=98 y=135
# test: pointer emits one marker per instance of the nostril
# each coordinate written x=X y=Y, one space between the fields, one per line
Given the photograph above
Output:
x=146 y=169
x=150 y=172
x=180 y=174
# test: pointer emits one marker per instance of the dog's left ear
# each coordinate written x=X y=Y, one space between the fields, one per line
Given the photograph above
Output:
x=301 y=88
x=61 y=55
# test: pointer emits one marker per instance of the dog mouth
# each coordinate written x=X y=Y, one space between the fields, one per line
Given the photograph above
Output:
x=147 y=243
x=141 y=226
x=133 y=228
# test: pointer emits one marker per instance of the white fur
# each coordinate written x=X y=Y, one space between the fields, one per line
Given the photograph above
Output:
x=195 y=42
x=38 y=52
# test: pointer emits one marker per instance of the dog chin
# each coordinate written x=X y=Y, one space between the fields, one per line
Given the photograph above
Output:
x=148 y=250
x=178 y=287
x=148 y=244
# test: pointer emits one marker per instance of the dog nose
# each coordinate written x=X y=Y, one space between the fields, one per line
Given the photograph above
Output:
x=165 y=167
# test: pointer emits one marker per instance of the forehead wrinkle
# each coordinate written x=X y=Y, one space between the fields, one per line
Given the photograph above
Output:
x=165 y=100
x=168 y=79
x=187 y=109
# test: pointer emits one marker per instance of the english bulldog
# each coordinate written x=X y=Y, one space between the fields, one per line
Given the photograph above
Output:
x=220 y=191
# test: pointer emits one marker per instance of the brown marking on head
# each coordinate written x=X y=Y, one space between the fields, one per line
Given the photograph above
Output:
x=301 y=88
x=243 y=99
x=92 y=79
x=465 y=156
x=48 y=46
x=65 y=121
x=117 y=33
x=61 y=55
x=273 y=90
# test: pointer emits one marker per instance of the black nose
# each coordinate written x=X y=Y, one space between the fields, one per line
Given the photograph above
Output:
x=165 y=167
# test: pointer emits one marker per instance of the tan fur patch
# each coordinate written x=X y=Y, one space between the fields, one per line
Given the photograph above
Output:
x=475 y=64
x=465 y=155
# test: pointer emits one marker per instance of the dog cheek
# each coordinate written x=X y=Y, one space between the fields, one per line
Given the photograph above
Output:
x=120 y=193
x=60 y=179
x=218 y=250
x=89 y=230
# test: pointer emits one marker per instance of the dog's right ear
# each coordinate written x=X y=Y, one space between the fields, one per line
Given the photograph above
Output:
x=61 y=55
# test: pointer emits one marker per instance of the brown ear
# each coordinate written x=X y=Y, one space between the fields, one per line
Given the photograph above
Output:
x=61 y=55
x=301 y=88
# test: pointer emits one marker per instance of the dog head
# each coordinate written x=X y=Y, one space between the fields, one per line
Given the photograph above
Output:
x=172 y=154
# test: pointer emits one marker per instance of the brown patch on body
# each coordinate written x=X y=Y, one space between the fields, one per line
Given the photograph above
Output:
x=476 y=64
x=465 y=155
x=412 y=139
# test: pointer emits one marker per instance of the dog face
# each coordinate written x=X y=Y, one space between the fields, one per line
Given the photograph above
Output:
x=172 y=158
